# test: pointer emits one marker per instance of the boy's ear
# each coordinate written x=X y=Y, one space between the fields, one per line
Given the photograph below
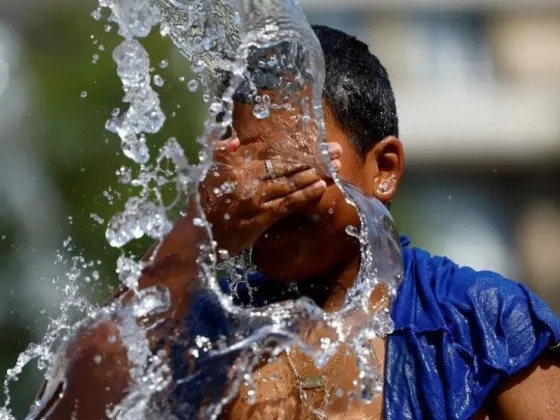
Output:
x=387 y=157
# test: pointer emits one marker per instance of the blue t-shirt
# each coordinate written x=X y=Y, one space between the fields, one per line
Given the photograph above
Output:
x=458 y=335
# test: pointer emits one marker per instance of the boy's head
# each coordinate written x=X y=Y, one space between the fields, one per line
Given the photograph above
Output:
x=360 y=115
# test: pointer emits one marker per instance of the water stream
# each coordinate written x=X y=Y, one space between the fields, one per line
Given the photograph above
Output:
x=229 y=44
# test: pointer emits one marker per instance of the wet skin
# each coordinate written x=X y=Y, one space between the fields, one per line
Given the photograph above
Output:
x=311 y=246
x=325 y=263
x=316 y=252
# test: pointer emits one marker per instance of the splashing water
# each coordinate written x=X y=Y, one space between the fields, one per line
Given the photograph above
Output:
x=231 y=46
x=74 y=306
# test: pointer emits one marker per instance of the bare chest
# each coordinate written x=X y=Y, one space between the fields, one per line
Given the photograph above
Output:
x=292 y=388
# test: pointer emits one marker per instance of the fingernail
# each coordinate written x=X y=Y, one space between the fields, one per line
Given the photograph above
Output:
x=232 y=144
x=336 y=164
x=335 y=150
x=320 y=185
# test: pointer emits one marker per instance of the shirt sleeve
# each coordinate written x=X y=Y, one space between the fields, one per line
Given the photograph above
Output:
x=459 y=334
x=500 y=321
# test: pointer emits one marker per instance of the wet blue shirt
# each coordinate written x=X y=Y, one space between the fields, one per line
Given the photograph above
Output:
x=459 y=333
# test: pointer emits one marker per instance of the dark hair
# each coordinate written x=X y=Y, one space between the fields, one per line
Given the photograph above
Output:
x=357 y=89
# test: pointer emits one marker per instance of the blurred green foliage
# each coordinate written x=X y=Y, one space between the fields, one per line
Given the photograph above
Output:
x=67 y=131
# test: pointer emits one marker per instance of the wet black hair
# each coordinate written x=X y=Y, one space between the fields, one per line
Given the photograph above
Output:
x=357 y=87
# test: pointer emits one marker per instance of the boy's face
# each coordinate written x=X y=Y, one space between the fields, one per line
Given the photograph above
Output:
x=314 y=241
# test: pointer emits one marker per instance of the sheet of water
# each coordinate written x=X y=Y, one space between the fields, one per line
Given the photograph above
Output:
x=223 y=39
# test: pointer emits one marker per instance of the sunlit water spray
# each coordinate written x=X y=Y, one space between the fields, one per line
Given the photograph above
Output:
x=74 y=306
x=229 y=46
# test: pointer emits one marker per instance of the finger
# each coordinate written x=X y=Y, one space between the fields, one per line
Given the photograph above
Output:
x=283 y=206
x=282 y=168
x=336 y=164
x=334 y=150
x=279 y=168
x=228 y=145
x=222 y=148
x=281 y=187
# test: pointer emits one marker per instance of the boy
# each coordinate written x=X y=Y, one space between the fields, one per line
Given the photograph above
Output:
x=466 y=344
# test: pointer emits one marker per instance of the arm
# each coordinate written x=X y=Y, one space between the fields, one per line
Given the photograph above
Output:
x=531 y=394
x=94 y=370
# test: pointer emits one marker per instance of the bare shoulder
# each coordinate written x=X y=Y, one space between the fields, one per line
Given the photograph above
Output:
x=534 y=393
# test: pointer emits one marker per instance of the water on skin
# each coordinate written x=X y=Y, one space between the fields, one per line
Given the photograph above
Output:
x=219 y=38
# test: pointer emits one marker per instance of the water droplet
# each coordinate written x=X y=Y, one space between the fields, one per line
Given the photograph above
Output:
x=97 y=359
x=151 y=300
x=125 y=177
x=353 y=231
x=96 y=14
x=158 y=80
x=83 y=94
x=207 y=43
x=251 y=395
x=163 y=64
x=96 y=218
x=108 y=28
x=261 y=110
x=215 y=108
x=193 y=85
x=140 y=217
x=223 y=254
x=227 y=216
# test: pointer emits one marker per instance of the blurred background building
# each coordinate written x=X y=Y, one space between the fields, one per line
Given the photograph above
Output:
x=478 y=93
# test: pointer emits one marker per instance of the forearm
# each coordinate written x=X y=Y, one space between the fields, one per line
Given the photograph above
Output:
x=96 y=370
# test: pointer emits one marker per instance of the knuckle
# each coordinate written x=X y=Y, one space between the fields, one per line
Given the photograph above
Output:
x=293 y=183
x=290 y=200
